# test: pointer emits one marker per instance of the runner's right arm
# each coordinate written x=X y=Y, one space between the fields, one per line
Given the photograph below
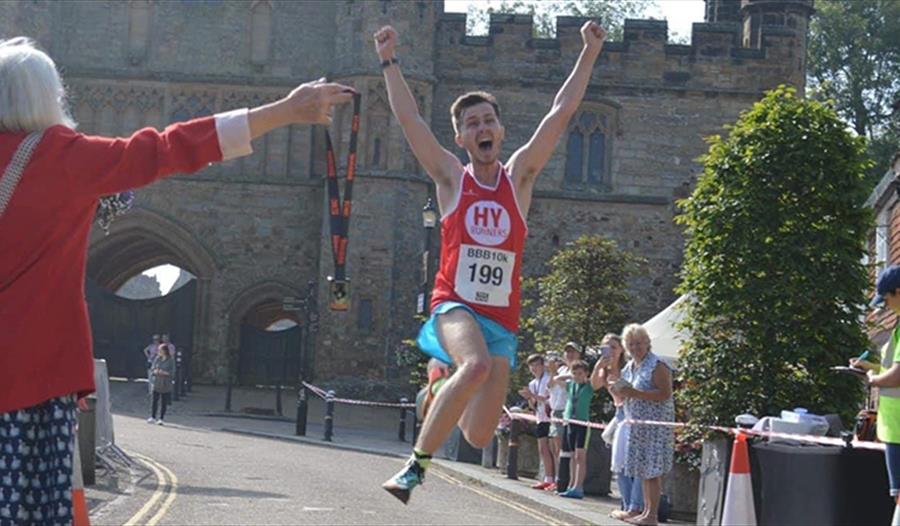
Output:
x=441 y=165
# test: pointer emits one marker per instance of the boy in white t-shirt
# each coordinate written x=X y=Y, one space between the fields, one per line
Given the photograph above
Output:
x=538 y=398
x=557 y=401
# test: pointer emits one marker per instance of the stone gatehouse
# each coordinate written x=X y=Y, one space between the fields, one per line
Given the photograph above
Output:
x=255 y=230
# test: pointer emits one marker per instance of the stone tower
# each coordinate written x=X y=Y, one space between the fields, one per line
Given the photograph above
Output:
x=385 y=229
x=723 y=11
x=792 y=15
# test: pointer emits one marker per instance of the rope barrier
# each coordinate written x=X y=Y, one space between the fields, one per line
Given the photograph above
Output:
x=813 y=439
x=321 y=393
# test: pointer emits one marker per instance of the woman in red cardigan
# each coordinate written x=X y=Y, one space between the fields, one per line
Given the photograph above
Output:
x=45 y=351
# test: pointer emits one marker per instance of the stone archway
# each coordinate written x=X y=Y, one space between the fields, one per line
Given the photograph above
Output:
x=142 y=239
x=250 y=346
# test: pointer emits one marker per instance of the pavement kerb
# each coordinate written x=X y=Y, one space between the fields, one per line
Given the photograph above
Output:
x=442 y=465
x=313 y=442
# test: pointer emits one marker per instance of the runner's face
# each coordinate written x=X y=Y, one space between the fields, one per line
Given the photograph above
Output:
x=480 y=133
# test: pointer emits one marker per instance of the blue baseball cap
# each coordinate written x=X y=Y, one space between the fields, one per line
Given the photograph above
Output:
x=888 y=281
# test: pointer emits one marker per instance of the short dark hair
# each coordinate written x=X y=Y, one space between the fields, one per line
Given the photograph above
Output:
x=534 y=358
x=581 y=364
x=467 y=100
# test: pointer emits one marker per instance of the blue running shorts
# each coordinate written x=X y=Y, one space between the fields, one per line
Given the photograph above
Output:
x=500 y=341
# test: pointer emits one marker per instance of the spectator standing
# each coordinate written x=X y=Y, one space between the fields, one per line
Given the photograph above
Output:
x=50 y=196
x=611 y=363
x=150 y=352
x=558 y=399
x=578 y=407
x=646 y=386
x=538 y=397
x=571 y=354
x=162 y=383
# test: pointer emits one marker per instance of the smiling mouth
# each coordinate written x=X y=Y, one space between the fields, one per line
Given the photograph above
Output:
x=486 y=145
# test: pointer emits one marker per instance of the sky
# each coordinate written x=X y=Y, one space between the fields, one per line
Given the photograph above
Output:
x=165 y=275
x=679 y=13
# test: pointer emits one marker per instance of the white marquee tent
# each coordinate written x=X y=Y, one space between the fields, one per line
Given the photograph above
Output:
x=665 y=338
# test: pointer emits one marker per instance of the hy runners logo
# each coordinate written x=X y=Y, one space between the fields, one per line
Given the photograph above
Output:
x=487 y=222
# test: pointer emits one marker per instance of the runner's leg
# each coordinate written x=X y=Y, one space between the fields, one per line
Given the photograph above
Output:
x=479 y=420
x=460 y=335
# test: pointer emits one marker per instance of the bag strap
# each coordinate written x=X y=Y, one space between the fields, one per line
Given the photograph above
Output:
x=16 y=166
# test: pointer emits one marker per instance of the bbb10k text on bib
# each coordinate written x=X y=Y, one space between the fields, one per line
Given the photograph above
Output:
x=484 y=274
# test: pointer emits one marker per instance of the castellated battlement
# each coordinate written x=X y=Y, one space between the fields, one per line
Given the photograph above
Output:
x=714 y=60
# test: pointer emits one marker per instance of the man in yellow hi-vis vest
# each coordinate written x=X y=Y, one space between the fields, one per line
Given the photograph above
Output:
x=886 y=378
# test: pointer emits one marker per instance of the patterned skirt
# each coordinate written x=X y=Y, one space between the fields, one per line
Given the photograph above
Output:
x=36 y=447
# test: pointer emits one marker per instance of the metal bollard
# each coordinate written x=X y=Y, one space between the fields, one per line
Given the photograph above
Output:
x=302 y=410
x=401 y=433
x=228 y=395
x=278 y=408
x=417 y=426
x=180 y=374
x=512 y=460
x=87 y=439
x=489 y=453
x=177 y=393
x=329 y=415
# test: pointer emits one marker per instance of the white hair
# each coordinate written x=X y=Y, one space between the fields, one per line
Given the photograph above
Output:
x=32 y=97
x=635 y=330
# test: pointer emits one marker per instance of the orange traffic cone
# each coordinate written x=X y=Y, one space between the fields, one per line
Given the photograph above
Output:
x=739 y=509
x=79 y=504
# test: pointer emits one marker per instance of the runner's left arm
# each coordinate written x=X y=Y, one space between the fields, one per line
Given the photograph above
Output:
x=527 y=162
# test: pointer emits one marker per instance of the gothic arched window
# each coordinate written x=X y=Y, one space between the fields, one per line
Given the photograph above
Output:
x=588 y=148
x=260 y=31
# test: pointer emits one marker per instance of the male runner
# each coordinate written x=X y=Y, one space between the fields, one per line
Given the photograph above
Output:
x=475 y=302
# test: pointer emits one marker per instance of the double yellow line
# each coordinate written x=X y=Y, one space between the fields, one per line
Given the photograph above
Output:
x=542 y=517
x=166 y=484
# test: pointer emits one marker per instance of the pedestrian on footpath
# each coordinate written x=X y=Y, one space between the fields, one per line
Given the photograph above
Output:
x=538 y=397
x=52 y=180
x=611 y=363
x=150 y=352
x=646 y=386
x=162 y=383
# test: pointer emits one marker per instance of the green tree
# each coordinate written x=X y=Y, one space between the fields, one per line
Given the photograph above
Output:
x=775 y=237
x=584 y=294
x=854 y=59
x=611 y=14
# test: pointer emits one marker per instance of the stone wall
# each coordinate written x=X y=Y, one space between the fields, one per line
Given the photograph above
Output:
x=255 y=230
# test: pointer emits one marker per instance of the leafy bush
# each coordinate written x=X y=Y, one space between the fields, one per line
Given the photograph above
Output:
x=775 y=237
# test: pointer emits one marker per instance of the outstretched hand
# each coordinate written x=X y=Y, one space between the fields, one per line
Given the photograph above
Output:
x=593 y=35
x=312 y=102
x=385 y=42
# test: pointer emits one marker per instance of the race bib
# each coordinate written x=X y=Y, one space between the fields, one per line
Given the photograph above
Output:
x=484 y=275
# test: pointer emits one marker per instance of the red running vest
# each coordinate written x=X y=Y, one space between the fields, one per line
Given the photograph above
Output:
x=482 y=240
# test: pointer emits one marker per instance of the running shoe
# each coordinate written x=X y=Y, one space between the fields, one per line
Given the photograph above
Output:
x=573 y=494
x=402 y=484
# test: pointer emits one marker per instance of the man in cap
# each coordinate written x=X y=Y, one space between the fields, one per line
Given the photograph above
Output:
x=886 y=378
